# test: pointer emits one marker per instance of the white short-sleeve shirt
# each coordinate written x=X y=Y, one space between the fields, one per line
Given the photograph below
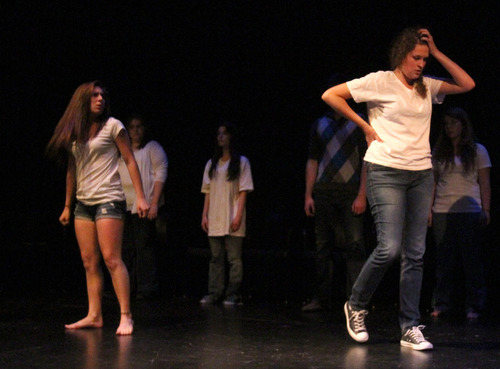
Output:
x=153 y=165
x=224 y=197
x=457 y=192
x=97 y=177
x=400 y=117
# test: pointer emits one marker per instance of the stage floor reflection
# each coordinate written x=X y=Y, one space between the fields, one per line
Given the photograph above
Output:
x=179 y=333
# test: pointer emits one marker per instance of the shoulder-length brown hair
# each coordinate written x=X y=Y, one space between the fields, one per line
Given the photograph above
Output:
x=404 y=43
x=75 y=123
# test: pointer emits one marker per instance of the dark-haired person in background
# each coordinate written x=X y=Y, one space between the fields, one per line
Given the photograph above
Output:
x=140 y=233
x=461 y=209
x=335 y=196
x=226 y=181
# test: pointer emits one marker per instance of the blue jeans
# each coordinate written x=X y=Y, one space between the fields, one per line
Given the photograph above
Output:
x=216 y=271
x=400 y=202
x=336 y=225
x=458 y=243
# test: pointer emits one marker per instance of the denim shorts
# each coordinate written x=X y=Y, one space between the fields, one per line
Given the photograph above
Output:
x=113 y=209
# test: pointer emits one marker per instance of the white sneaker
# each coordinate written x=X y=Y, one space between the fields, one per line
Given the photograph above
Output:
x=414 y=338
x=355 y=320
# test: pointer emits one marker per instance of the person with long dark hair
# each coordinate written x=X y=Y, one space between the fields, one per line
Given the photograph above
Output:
x=226 y=181
x=461 y=209
x=399 y=171
x=93 y=142
x=140 y=233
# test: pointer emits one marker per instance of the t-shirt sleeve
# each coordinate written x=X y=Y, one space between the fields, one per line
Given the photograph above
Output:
x=434 y=84
x=116 y=127
x=159 y=161
x=205 y=184
x=365 y=88
x=482 y=159
x=245 y=180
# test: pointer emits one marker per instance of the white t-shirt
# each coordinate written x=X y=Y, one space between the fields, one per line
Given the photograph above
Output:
x=224 y=197
x=153 y=164
x=400 y=117
x=97 y=177
x=457 y=192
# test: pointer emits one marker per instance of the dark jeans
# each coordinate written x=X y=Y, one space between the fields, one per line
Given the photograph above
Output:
x=458 y=244
x=336 y=226
x=139 y=241
x=400 y=201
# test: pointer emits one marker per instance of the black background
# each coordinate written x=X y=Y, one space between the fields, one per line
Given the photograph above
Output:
x=188 y=64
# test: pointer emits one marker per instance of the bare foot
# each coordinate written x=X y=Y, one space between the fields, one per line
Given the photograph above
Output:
x=87 y=322
x=126 y=326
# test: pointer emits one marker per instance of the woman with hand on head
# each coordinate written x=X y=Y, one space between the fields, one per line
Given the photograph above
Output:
x=399 y=171
x=94 y=142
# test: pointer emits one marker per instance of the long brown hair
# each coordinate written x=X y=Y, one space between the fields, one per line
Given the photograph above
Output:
x=75 y=123
x=233 y=171
x=404 y=43
x=443 y=151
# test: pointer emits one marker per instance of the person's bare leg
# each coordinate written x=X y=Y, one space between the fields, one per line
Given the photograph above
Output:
x=89 y=250
x=110 y=235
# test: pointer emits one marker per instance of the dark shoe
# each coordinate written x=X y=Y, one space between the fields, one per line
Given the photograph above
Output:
x=314 y=305
x=414 y=339
x=355 y=320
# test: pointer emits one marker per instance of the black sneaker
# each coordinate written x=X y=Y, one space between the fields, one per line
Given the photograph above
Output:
x=356 y=323
x=414 y=338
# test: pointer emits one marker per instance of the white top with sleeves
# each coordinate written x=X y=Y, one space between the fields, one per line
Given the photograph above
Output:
x=457 y=192
x=224 y=197
x=153 y=164
x=400 y=117
x=97 y=177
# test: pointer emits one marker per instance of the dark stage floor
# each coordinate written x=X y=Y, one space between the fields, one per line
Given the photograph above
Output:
x=179 y=333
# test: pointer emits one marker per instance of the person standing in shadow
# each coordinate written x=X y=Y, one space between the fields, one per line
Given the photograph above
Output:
x=227 y=179
x=461 y=210
x=139 y=244
x=336 y=197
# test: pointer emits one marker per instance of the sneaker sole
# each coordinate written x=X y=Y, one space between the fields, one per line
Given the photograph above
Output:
x=351 y=332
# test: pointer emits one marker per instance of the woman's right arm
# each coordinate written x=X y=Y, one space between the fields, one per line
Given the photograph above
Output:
x=70 y=191
x=336 y=97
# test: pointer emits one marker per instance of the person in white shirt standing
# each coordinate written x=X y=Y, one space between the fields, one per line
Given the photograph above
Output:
x=93 y=142
x=399 y=171
x=461 y=210
x=139 y=241
x=226 y=181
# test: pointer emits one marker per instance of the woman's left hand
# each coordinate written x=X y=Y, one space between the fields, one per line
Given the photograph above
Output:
x=153 y=212
x=142 y=208
x=426 y=36
x=236 y=224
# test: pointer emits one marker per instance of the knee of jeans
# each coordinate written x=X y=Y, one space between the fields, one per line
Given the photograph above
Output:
x=385 y=255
